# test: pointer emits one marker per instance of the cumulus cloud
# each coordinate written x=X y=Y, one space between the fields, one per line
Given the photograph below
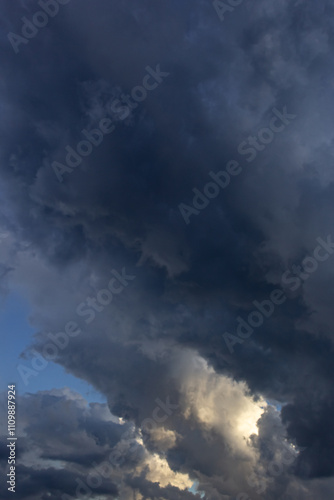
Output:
x=162 y=337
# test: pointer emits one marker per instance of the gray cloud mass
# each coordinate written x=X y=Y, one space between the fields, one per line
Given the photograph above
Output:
x=162 y=337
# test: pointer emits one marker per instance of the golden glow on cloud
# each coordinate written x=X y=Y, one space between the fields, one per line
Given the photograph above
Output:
x=246 y=424
x=160 y=472
x=164 y=438
x=220 y=403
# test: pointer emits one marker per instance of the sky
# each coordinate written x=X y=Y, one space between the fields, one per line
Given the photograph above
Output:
x=167 y=249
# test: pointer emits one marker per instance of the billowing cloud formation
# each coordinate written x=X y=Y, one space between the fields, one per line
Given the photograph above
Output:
x=256 y=90
x=68 y=447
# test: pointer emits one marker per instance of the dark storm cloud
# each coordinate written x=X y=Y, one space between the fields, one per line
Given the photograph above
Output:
x=58 y=483
x=120 y=207
x=77 y=436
